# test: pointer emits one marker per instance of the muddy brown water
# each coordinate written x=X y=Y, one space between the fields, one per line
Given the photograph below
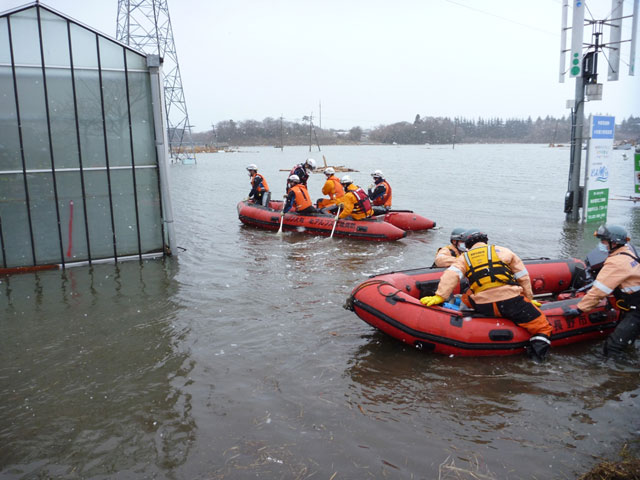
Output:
x=236 y=359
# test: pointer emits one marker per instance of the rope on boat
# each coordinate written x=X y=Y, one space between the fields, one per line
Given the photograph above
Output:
x=348 y=304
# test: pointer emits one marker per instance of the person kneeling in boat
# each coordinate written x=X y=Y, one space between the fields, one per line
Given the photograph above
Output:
x=298 y=196
x=259 y=186
x=302 y=171
x=620 y=276
x=380 y=193
x=445 y=256
x=500 y=286
x=332 y=188
x=355 y=204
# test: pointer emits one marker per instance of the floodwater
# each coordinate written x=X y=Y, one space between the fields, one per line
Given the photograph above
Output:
x=236 y=360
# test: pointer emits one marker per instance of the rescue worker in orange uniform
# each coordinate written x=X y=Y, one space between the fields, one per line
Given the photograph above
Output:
x=302 y=171
x=500 y=287
x=259 y=185
x=445 y=256
x=380 y=193
x=355 y=203
x=298 y=196
x=620 y=276
x=332 y=187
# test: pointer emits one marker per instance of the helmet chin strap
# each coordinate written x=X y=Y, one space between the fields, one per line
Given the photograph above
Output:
x=613 y=246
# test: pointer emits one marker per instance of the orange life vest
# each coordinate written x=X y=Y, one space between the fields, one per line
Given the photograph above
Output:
x=384 y=200
x=263 y=187
x=302 y=199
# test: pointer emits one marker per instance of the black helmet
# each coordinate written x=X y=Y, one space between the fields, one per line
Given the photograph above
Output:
x=473 y=236
x=614 y=234
x=457 y=234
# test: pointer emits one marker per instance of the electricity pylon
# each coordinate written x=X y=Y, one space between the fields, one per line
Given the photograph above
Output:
x=146 y=26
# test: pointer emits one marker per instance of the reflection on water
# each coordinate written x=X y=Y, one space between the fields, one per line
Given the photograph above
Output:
x=93 y=371
x=237 y=360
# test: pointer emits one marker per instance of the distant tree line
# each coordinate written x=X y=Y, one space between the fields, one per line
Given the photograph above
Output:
x=439 y=130
x=276 y=132
x=423 y=130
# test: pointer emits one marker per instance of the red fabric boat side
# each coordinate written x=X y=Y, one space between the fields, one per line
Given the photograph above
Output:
x=408 y=221
x=390 y=302
x=373 y=229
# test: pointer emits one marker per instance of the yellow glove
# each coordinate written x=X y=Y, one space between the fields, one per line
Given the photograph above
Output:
x=435 y=300
x=536 y=303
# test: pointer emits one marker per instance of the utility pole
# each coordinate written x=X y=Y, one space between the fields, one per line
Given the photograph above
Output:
x=572 y=199
x=281 y=135
x=584 y=68
x=310 y=130
x=455 y=129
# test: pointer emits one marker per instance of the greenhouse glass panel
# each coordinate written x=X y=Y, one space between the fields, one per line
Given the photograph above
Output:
x=72 y=219
x=42 y=204
x=124 y=211
x=62 y=114
x=101 y=235
x=149 y=210
x=14 y=221
x=55 y=39
x=10 y=158
x=25 y=37
x=33 y=118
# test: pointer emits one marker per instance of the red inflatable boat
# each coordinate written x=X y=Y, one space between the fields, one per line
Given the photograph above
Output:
x=408 y=221
x=372 y=229
x=391 y=303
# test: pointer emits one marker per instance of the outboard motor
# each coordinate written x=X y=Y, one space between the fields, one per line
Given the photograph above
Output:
x=595 y=259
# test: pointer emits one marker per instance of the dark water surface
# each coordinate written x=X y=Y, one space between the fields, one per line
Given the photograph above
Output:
x=236 y=359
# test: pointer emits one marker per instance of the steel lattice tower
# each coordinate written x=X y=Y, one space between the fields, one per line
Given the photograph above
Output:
x=146 y=26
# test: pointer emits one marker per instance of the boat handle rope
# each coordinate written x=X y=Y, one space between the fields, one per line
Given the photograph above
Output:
x=348 y=305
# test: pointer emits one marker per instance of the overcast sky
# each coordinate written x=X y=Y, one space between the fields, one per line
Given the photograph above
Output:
x=372 y=62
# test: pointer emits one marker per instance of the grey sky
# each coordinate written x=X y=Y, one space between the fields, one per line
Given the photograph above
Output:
x=372 y=62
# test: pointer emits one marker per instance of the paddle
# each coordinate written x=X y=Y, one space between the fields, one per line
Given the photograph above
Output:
x=335 y=221
x=282 y=217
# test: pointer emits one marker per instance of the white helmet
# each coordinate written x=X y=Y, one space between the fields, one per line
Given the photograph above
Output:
x=346 y=180
x=311 y=162
x=377 y=173
x=252 y=166
x=329 y=171
x=294 y=179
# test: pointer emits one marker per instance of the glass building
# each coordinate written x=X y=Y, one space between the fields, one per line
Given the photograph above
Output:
x=83 y=174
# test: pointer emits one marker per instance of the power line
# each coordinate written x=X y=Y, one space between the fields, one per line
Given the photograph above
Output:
x=502 y=18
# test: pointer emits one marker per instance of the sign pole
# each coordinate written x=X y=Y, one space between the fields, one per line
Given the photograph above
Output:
x=576 y=153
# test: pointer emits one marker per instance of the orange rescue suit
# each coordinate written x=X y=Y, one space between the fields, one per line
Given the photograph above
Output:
x=356 y=203
x=333 y=188
x=445 y=256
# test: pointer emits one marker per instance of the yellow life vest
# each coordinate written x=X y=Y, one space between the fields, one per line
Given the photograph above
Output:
x=486 y=270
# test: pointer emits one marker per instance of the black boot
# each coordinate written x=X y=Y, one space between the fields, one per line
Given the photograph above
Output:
x=624 y=335
x=538 y=348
